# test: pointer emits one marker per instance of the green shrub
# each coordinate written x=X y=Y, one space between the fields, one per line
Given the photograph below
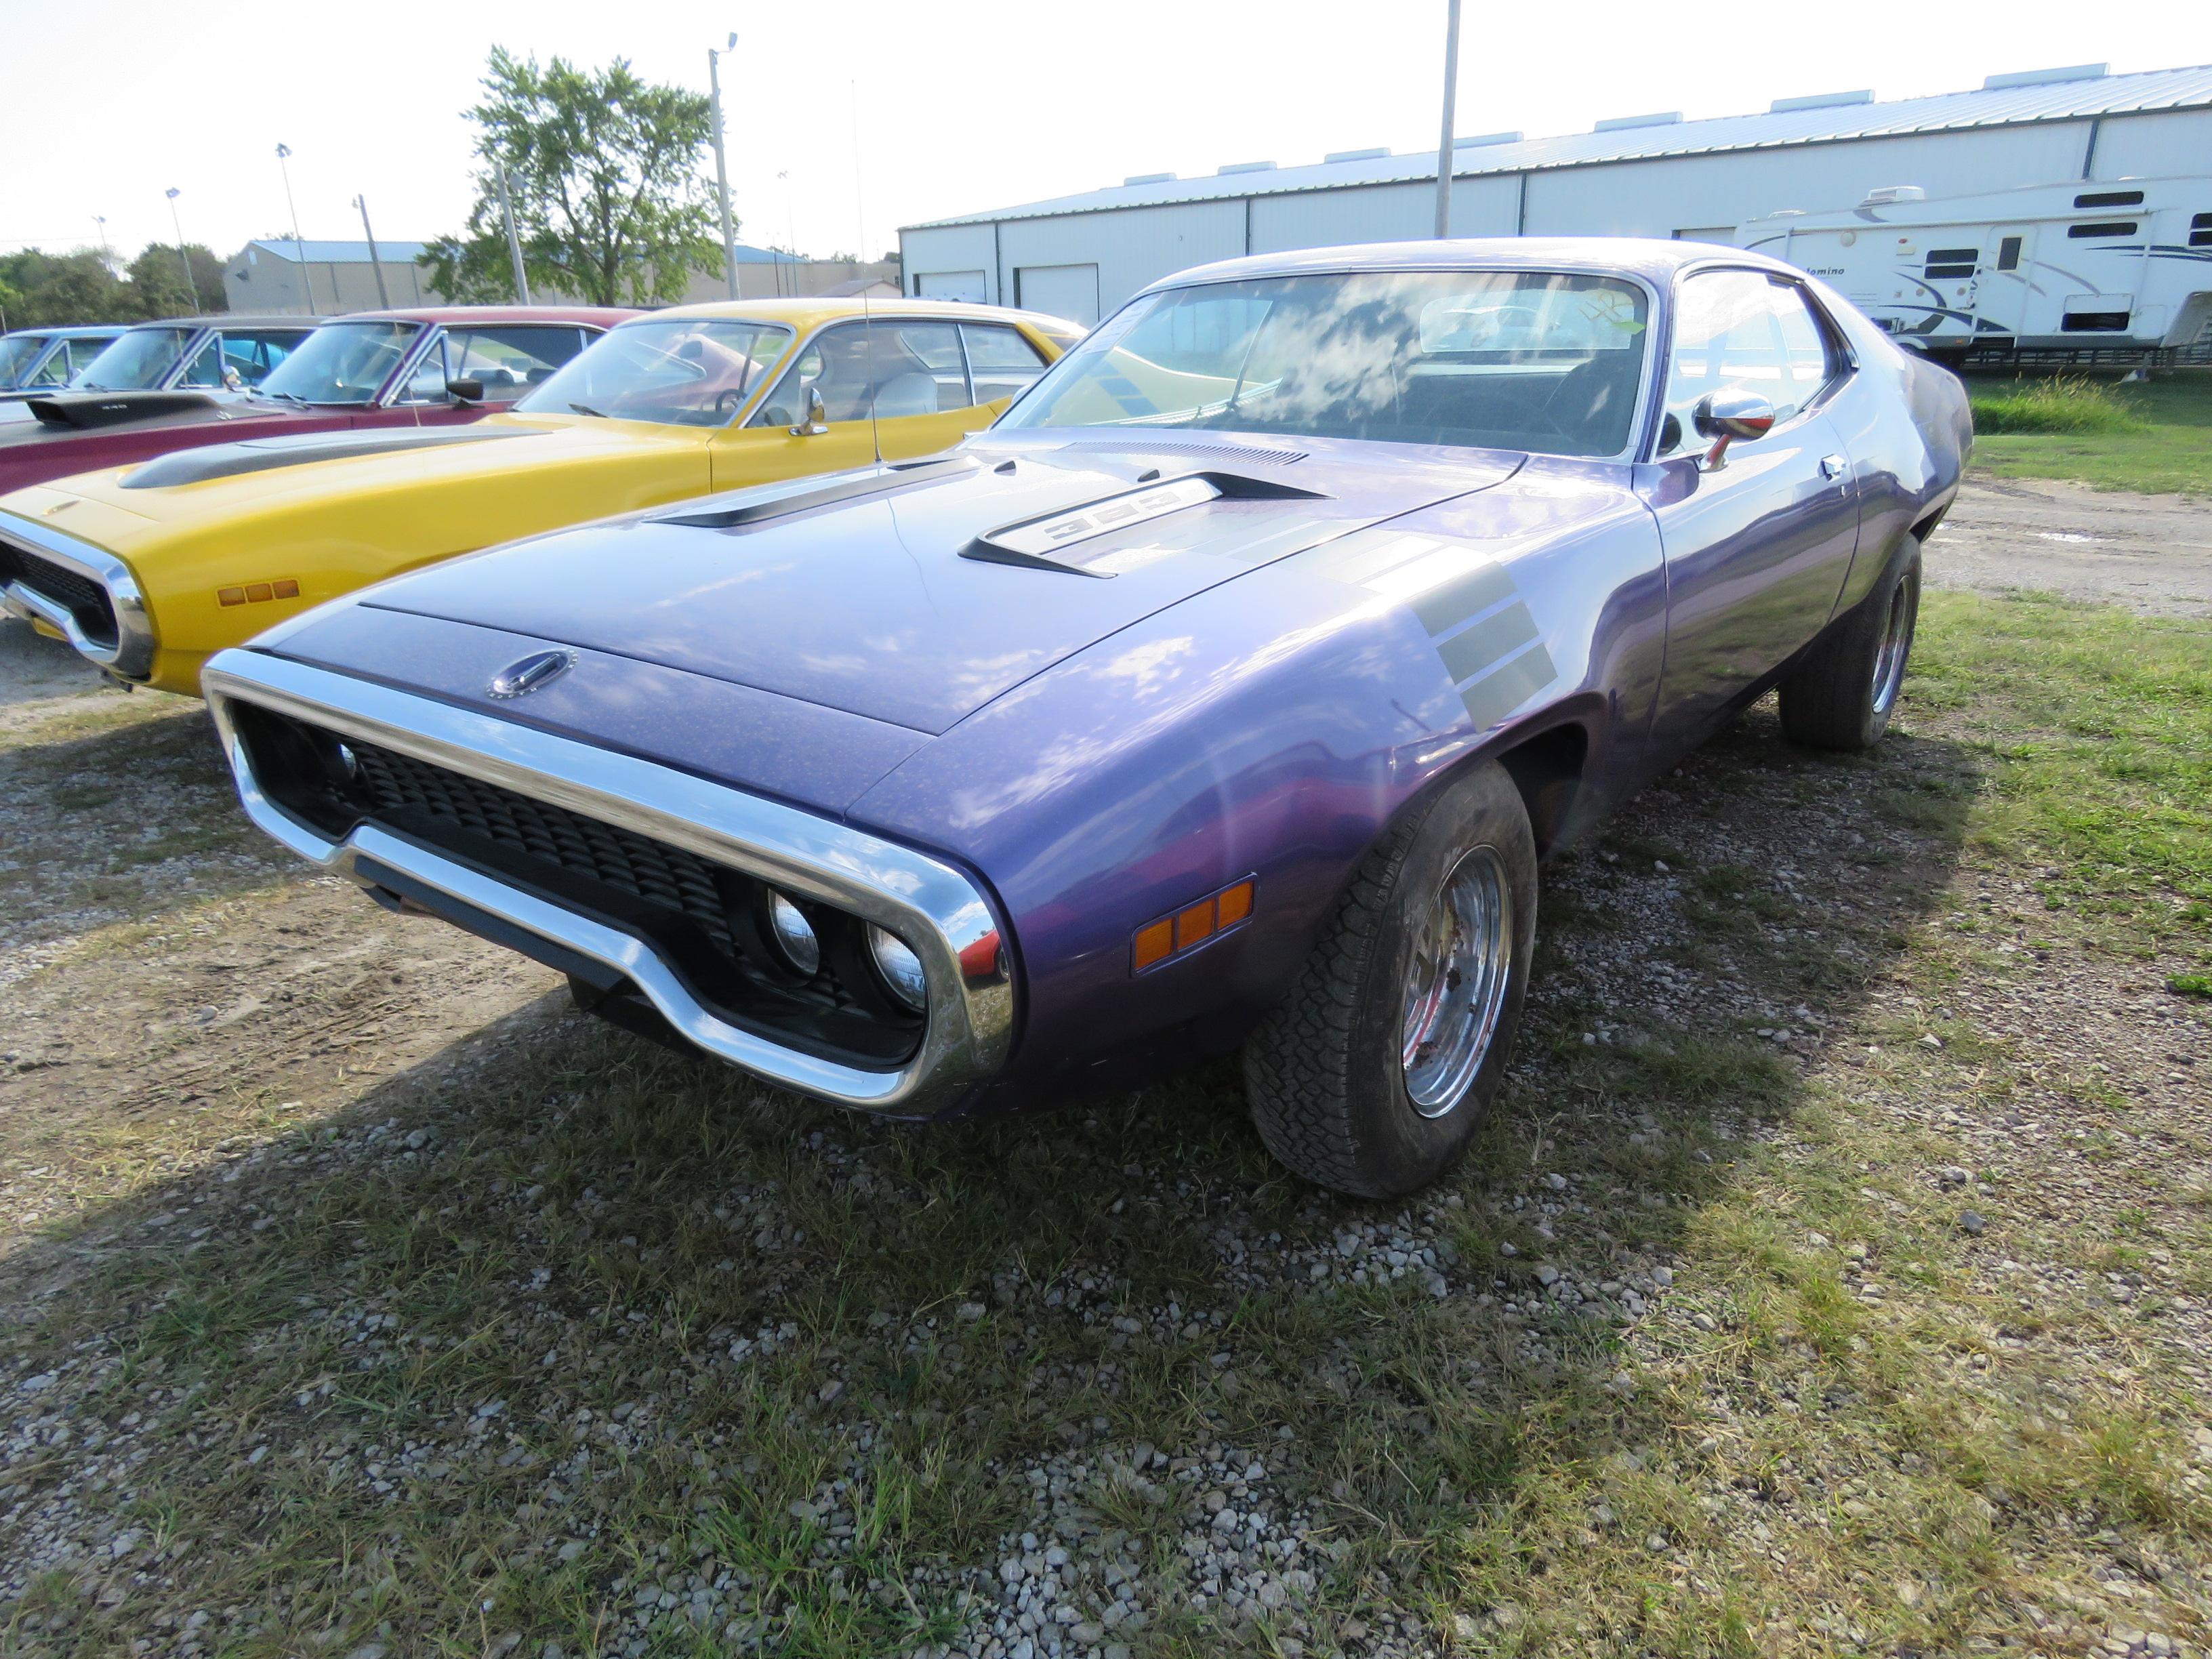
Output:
x=2064 y=403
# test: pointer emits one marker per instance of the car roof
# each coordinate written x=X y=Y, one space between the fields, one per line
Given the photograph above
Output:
x=68 y=330
x=810 y=311
x=1655 y=261
x=234 y=320
x=455 y=316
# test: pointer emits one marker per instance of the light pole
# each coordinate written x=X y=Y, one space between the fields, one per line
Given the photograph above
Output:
x=374 y=263
x=513 y=241
x=721 y=164
x=790 y=231
x=299 y=248
x=1444 y=143
x=106 y=253
x=192 y=294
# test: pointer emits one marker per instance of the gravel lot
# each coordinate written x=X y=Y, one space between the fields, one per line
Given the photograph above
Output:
x=1833 y=1279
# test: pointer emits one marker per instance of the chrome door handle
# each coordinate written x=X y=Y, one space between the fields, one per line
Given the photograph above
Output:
x=1832 y=466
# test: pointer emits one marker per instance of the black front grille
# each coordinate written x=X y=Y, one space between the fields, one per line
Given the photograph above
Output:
x=702 y=917
x=82 y=597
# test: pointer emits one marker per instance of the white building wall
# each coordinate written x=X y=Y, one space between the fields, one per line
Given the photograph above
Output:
x=2157 y=146
x=948 y=251
x=1134 y=246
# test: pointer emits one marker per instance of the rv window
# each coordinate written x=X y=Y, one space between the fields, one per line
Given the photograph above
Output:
x=2117 y=228
x=2008 y=253
x=2200 y=231
x=1944 y=262
x=2097 y=198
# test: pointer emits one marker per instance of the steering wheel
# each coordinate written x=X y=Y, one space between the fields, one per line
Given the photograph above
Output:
x=727 y=403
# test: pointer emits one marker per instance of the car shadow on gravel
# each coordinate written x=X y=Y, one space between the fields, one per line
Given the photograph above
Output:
x=556 y=1314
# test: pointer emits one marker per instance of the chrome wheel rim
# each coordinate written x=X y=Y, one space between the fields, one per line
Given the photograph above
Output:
x=1456 y=979
x=1896 y=640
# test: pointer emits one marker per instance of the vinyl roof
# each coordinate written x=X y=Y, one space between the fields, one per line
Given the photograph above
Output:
x=2004 y=100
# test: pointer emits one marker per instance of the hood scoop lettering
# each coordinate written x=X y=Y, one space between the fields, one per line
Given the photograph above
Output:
x=90 y=410
x=768 y=501
x=1034 y=543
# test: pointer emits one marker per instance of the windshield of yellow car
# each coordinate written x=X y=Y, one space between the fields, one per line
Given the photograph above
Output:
x=680 y=371
x=137 y=359
x=1547 y=362
x=341 y=363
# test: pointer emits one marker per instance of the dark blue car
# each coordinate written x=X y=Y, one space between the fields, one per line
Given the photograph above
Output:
x=1225 y=693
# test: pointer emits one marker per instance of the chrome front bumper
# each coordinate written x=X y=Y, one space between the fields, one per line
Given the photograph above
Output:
x=938 y=912
x=131 y=654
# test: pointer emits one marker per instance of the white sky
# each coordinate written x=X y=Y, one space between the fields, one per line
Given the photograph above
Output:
x=959 y=104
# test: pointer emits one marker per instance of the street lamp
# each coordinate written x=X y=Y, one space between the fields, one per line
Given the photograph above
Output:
x=299 y=248
x=106 y=253
x=375 y=264
x=721 y=163
x=192 y=294
x=1445 y=156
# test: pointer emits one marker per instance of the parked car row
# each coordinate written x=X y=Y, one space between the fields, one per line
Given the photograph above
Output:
x=929 y=722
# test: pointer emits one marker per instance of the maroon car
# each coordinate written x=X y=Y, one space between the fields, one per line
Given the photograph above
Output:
x=433 y=367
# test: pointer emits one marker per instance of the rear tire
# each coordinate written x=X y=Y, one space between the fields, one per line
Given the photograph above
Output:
x=1374 y=1075
x=1842 y=694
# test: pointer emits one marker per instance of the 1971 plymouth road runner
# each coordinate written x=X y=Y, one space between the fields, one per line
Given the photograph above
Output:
x=1226 y=691
x=35 y=360
x=180 y=356
x=445 y=366
x=148 y=569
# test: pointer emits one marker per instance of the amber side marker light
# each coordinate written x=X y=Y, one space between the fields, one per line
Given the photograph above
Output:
x=257 y=593
x=1191 y=927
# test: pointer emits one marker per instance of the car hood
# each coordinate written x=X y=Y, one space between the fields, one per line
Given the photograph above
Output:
x=876 y=593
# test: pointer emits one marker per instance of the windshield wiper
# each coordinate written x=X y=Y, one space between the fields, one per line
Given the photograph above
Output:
x=288 y=397
x=585 y=409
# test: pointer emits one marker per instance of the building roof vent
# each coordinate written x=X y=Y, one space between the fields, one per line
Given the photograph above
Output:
x=1355 y=155
x=1821 y=100
x=1148 y=179
x=1890 y=195
x=2044 y=77
x=1622 y=123
x=1244 y=166
x=1480 y=139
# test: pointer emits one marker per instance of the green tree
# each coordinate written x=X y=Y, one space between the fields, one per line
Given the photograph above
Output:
x=609 y=202
x=159 y=285
x=59 y=289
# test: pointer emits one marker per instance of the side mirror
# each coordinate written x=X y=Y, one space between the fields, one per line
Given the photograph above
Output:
x=1733 y=416
x=817 y=416
x=470 y=390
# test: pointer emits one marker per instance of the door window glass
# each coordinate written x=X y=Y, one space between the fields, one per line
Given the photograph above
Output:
x=1735 y=330
x=206 y=369
x=890 y=368
x=508 y=360
x=58 y=368
x=1002 y=362
x=682 y=371
x=248 y=358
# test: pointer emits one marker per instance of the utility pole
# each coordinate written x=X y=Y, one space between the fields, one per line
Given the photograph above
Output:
x=106 y=253
x=184 y=265
x=375 y=264
x=1444 y=143
x=790 y=230
x=721 y=165
x=513 y=241
x=299 y=248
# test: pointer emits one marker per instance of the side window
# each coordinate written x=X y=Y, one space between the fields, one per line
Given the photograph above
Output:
x=205 y=370
x=1002 y=362
x=1737 y=330
x=63 y=363
x=508 y=360
x=81 y=352
x=918 y=370
x=890 y=368
x=250 y=357
x=427 y=384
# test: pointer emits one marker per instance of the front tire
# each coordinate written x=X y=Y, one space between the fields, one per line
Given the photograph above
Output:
x=1843 y=694
x=1376 y=1073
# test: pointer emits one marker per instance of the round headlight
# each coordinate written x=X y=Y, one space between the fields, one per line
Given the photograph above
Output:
x=794 y=936
x=900 y=968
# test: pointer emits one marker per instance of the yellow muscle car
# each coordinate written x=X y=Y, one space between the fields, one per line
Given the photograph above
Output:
x=148 y=569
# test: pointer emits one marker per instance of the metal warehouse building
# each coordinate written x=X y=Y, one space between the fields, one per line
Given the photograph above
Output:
x=1079 y=257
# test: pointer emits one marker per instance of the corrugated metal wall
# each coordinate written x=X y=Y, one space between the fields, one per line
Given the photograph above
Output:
x=1659 y=196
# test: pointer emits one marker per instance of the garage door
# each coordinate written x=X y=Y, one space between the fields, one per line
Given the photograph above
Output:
x=1069 y=291
x=950 y=285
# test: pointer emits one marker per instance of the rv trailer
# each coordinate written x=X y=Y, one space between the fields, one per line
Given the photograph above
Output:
x=2118 y=266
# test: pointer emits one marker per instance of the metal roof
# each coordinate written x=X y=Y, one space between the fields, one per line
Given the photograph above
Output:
x=2007 y=100
x=338 y=253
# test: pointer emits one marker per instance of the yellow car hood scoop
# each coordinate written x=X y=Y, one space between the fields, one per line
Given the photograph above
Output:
x=188 y=466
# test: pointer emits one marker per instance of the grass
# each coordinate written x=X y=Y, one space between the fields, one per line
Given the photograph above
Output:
x=2153 y=437
x=619 y=1321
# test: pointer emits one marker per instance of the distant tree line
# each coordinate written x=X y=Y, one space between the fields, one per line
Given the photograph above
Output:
x=609 y=175
x=43 y=290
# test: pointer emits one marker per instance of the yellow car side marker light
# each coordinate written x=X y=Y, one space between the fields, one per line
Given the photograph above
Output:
x=1191 y=927
x=255 y=592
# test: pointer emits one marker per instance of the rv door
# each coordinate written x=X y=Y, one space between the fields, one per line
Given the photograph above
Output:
x=2007 y=285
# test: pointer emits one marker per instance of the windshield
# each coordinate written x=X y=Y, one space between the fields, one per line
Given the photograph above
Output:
x=17 y=353
x=137 y=359
x=681 y=371
x=1538 y=361
x=341 y=362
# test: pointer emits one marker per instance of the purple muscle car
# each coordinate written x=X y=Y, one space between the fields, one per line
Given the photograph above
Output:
x=1226 y=691
x=434 y=366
